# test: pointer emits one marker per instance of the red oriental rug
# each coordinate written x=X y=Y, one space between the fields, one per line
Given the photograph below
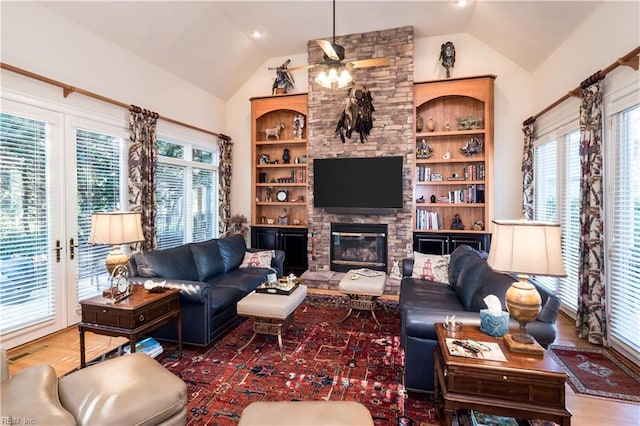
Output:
x=326 y=360
x=596 y=372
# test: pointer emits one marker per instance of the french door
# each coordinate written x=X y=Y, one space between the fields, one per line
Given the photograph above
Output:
x=55 y=170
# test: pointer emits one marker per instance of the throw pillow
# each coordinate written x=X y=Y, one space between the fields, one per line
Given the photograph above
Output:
x=431 y=267
x=257 y=259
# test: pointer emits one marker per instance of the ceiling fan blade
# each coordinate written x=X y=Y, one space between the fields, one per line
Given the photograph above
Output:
x=373 y=62
x=301 y=67
x=328 y=49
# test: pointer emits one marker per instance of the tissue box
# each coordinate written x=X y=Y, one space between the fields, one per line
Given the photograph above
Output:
x=494 y=325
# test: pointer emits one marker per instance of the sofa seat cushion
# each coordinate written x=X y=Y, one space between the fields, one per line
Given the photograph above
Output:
x=32 y=394
x=222 y=297
x=245 y=280
x=173 y=263
x=207 y=259
x=129 y=390
x=417 y=293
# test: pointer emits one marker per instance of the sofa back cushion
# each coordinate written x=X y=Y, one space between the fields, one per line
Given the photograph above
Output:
x=232 y=250
x=174 y=263
x=208 y=260
x=461 y=257
x=491 y=282
x=468 y=280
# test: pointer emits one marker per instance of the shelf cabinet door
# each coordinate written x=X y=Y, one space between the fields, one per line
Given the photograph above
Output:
x=264 y=238
x=293 y=241
x=446 y=243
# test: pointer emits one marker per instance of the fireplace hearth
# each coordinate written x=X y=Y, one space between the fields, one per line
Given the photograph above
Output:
x=356 y=245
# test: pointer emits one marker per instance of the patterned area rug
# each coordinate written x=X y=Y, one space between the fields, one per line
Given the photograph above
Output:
x=596 y=372
x=326 y=360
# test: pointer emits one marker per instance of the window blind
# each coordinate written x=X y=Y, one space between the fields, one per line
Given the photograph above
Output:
x=624 y=253
x=98 y=190
x=26 y=275
x=170 y=202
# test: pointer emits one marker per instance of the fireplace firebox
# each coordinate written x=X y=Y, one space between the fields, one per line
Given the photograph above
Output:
x=357 y=245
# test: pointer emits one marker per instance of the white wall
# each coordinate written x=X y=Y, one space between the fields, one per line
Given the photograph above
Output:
x=612 y=30
x=472 y=58
x=38 y=40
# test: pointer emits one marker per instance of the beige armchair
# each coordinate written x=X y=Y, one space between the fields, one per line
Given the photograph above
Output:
x=128 y=390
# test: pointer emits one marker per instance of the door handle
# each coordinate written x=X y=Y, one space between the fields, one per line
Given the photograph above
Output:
x=57 y=249
x=72 y=249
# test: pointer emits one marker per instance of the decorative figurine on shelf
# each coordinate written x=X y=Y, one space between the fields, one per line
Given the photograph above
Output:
x=419 y=124
x=447 y=126
x=473 y=146
x=284 y=80
x=269 y=194
x=432 y=199
x=424 y=150
x=298 y=126
x=457 y=222
x=478 y=225
x=446 y=156
x=431 y=125
x=447 y=56
x=273 y=131
x=469 y=123
x=283 y=219
x=285 y=156
x=420 y=200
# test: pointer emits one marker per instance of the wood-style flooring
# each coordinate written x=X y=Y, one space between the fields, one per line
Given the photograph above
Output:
x=62 y=351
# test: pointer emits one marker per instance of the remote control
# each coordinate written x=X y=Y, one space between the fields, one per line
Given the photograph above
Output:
x=466 y=346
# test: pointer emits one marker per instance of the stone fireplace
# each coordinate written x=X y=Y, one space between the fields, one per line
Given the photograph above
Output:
x=391 y=88
x=356 y=245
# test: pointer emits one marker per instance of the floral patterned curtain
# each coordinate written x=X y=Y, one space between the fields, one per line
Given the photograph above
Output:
x=143 y=158
x=527 y=169
x=590 y=318
x=224 y=184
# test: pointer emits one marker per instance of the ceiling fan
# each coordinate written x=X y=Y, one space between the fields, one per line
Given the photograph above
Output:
x=336 y=72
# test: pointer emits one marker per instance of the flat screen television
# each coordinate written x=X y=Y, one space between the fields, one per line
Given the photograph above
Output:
x=370 y=185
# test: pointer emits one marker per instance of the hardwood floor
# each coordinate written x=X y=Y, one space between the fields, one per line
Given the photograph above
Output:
x=62 y=350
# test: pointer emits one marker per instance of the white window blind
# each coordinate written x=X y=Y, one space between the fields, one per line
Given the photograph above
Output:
x=25 y=273
x=98 y=190
x=545 y=181
x=624 y=253
x=170 y=202
x=186 y=194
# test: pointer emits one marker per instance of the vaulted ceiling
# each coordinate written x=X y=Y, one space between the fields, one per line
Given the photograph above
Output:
x=209 y=43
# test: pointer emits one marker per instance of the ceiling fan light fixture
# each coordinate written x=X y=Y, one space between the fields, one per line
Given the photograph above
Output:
x=334 y=78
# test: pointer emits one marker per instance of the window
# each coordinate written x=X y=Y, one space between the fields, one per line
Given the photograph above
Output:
x=186 y=193
x=556 y=199
x=624 y=232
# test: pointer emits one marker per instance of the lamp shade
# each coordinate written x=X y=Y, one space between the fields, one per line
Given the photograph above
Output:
x=116 y=228
x=526 y=247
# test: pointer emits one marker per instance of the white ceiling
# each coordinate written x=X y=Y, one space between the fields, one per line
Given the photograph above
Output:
x=209 y=43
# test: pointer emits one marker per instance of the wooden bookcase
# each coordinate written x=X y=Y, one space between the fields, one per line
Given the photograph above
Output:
x=271 y=174
x=460 y=184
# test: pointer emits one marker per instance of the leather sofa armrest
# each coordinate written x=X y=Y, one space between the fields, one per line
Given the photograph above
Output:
x=421 y=323
x=407 y=267
x=191 y=292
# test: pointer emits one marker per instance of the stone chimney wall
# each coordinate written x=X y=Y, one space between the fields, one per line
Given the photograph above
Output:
x=392 y=90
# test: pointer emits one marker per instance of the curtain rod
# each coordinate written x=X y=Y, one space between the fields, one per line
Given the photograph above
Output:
x=630 y=59
x=68 y=89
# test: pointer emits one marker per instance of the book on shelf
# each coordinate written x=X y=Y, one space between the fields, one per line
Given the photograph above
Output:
x=149 y=346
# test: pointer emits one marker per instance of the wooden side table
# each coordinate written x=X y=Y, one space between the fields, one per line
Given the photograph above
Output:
x=132 y=317
x=526 y=387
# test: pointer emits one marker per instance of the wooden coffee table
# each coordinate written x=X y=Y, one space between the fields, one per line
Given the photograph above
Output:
x=525 y=386
x=140 y=313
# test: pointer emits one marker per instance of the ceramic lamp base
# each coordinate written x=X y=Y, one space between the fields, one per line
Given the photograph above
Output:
x=524 y=348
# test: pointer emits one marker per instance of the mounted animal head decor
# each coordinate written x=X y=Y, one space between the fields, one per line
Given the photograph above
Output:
x=357 y=114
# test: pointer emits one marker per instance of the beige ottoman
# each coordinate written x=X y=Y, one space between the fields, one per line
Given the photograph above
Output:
x=312 y=413
x=271 y=313
x=363 y=292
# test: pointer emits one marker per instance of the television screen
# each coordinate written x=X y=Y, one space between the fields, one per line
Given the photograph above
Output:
x=358 y=185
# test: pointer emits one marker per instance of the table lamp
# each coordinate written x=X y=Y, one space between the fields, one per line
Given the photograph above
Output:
x=115 y=228
x=525 y=248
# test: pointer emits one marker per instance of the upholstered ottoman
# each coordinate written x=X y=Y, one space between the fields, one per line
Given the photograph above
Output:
x=363 y=291
x=271 y=313
x=308 y=413
x=128 y=390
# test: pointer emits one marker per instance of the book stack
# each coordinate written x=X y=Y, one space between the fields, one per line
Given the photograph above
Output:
x=428 y=220
x=149 y=346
